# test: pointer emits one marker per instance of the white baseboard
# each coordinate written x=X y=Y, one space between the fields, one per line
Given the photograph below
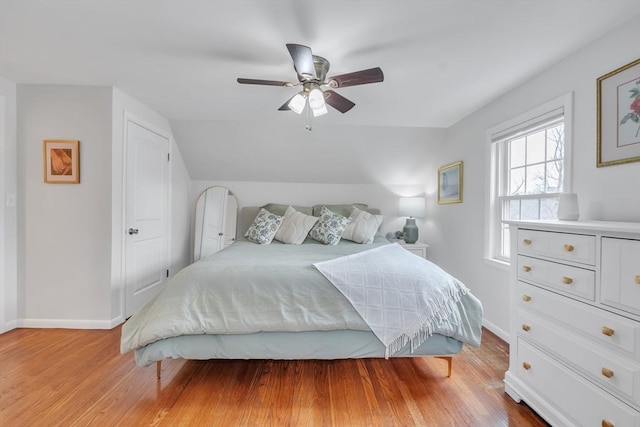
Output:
x=69 y=323
x=502 y=334
x=8 y=326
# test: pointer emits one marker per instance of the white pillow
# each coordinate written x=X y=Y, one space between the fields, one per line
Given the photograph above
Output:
x=295 y=227
x=264 y=227
x=362 y=227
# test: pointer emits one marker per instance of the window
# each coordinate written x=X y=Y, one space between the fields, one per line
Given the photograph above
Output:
x=530 y=168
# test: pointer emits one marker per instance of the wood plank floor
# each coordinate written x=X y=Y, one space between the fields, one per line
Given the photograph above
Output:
x=57 y=377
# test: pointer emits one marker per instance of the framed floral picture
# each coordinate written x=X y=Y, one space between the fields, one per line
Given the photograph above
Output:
x=61 y=161
x=450 y=183
x=618 y=126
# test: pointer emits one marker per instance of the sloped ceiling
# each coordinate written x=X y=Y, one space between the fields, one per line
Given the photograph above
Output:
x=441 y=59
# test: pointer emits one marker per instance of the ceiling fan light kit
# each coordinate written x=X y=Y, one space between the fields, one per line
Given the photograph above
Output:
x=312 y=76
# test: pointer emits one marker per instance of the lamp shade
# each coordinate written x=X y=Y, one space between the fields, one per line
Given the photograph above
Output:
x=412 y=206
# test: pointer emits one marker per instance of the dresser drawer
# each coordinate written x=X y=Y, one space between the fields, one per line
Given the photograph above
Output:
x=620 y=274
x=562 y=246
x=617 y=375
x=564 y=278
x=581 y=401
x=612 y=332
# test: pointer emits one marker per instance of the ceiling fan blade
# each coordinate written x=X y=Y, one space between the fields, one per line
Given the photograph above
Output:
x=338 y=102
x=372 y=75
x=285 y=106
x=302 y=59
x=263 y=82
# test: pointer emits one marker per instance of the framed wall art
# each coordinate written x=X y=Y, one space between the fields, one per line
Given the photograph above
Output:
x=450 y=183
x=618 y=126
x=61 y=161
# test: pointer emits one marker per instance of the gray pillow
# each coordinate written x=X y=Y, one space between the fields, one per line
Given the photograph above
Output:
x=280 y=209
x=344 y=210
x=329 y=227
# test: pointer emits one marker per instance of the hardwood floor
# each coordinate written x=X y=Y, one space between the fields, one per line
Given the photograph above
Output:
x=57 y=377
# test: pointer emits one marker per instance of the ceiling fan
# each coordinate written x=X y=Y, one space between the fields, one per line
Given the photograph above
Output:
x=317 y=89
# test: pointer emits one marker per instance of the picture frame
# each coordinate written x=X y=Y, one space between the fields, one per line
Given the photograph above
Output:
x=61 y=160
x=618 y=122
x=450 y=180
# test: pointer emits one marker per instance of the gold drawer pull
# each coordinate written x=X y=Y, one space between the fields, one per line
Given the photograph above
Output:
x=526 y=366
x=526 y=298
x=638 y=280
x=608 y=331
x=526 y=327
x=606 y=423
x=526 y=268
x=567 y=280
x=607 y=372
x=527 y=242
x=569 y=248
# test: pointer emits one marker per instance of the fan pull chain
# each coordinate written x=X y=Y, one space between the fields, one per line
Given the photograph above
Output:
x=308 y=126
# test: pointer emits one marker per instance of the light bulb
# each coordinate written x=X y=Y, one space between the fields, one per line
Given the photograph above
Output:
x=316 y=99
x=297 y=103
x=319 y=111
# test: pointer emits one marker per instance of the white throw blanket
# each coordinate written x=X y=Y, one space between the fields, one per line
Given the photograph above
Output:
x=401 y=296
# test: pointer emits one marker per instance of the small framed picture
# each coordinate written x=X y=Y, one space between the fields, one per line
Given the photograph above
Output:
x=61 y=161
x=619 y=116
x=450 y=183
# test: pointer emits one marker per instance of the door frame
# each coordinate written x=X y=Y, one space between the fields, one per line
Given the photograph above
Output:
x=121 y=227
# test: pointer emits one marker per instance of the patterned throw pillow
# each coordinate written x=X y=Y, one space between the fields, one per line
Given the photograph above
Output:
x=295 y=227
x=329 y=227
x=264 y=227
x=363 y=226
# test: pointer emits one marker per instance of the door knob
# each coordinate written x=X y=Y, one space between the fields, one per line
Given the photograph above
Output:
x=133 y=231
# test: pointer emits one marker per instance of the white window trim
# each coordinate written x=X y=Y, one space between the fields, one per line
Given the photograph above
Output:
x=564 y=102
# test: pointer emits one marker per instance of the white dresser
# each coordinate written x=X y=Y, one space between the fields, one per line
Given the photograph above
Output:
x=575 y=321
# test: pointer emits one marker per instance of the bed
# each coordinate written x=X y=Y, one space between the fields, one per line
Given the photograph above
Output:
x=279 y=301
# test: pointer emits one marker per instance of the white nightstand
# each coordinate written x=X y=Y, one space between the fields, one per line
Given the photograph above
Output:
x=417 y=248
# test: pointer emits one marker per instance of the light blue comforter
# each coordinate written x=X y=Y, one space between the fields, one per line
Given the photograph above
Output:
x=249 y=288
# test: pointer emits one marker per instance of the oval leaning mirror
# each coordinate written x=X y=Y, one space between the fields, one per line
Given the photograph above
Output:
x=216 y=217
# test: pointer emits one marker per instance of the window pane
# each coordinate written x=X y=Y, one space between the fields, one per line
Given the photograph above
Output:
x=514 y=209
x=555 y=143
x=535 y=179
x=516 y=182
x=506 y=241
x=555 y=174
x=530 y=209
x=549 y=208
x=517 y=150
x=536 y=147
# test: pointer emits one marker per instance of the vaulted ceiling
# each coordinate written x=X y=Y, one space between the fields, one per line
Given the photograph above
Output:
x=441 y=59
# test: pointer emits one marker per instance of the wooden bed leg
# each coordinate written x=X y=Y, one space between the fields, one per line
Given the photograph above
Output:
x=449 y=360
x=159 y=369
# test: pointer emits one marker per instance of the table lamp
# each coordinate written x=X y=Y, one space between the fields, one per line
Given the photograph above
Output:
x=411 y=207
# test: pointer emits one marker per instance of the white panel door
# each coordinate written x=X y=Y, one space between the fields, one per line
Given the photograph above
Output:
x=146 y=215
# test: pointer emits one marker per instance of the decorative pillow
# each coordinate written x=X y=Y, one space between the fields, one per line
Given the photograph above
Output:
x=362 y=227
x=344 y=210
x=264 y=227
x=329 y=227
x=295 y=227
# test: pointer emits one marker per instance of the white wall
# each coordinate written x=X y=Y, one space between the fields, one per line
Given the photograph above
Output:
x=64 y=229
x=69 y=250
x=611 y=193
x=8 y=214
